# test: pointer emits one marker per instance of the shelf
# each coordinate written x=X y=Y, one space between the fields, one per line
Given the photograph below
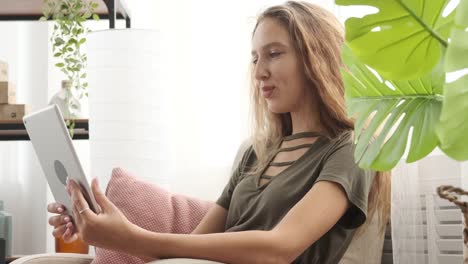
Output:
x=30 y=10
x=15 y=130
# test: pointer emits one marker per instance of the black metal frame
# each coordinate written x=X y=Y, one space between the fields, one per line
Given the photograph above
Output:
x=80 y=125
x=112 y=15
x=112 y=9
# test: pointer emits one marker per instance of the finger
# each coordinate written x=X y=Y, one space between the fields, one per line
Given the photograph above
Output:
x=55 y=208
x=67 y=188
x=55 y=220
x=100 y=197
x=70 y=226
x=66 y=235
x=79 y=202
x=75 y=201
x=69 y=236
x=59 y=220
x=59 y=231
x=73 y=238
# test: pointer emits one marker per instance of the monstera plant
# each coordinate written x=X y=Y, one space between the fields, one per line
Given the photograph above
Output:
x=398 y=60
x=407 y=83
x=68 y=35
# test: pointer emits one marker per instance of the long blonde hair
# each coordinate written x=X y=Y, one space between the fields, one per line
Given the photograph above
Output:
x=317 y=37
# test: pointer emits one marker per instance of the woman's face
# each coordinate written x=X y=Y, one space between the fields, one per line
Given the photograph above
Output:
x=277 y=70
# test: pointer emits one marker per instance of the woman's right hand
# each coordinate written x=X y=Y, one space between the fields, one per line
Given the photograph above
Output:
x=62 y=223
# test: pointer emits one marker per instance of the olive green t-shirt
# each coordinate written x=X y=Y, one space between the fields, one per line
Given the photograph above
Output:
x=252 y=206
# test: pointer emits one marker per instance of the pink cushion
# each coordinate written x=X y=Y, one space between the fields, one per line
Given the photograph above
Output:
x=152 y=208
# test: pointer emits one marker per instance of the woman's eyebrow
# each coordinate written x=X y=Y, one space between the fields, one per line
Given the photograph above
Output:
x=269 y=45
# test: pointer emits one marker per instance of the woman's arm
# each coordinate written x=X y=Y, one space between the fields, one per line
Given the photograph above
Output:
x=237 y=247
x=316 y=213
x=213 y=222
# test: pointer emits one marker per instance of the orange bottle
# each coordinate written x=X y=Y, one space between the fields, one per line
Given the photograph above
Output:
x=77 y=246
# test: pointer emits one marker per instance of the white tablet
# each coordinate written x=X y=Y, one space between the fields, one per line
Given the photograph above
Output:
x=54 y=148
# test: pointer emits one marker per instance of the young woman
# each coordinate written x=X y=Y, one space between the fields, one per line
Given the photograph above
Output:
x=298 y=195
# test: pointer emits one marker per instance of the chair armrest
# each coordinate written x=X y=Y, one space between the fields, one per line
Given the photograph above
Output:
x=55 y=258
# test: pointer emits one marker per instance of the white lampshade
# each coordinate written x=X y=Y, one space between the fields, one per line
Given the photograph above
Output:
x=126 y=104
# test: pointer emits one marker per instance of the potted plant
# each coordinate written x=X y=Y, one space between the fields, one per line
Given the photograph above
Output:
x=406 y=75
x=69 y=33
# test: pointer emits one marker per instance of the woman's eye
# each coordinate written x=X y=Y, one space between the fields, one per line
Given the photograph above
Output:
x=274 y=54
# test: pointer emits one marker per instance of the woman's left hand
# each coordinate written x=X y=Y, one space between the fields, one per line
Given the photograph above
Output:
x=109 y=229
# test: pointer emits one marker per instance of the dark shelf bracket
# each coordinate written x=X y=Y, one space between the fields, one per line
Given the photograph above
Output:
x=112 y=13
x=112 y=10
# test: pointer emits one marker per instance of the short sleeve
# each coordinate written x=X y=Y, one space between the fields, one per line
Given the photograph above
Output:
x=340 y=167
x=225 y=199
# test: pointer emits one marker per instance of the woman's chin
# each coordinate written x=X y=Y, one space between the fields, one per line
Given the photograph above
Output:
x=276 y=109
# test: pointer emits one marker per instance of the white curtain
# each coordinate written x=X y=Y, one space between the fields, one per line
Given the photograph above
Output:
x=22 y=184
x=426 y=228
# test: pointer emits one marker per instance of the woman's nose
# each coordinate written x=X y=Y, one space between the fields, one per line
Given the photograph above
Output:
x=261 y=71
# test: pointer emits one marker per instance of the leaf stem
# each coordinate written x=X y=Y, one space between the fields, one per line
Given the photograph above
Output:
x=437 y=97
x=424 y=25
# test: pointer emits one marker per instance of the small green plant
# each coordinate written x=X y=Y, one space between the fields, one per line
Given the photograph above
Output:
x=68 y=35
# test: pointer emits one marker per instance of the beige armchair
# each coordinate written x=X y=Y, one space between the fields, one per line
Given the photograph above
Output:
x=69 y=258
x=365 y=248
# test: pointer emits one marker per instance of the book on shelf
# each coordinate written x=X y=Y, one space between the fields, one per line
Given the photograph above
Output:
x=7 y=93
x=13 y=111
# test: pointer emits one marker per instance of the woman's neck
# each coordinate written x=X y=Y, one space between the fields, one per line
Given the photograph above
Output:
x=306 y=121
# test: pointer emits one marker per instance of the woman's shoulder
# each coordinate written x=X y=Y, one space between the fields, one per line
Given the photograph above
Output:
x=344 y=142
x=245 y=155
x=344 y=138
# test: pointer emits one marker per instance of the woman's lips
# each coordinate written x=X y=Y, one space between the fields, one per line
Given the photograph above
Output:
x=267 y=91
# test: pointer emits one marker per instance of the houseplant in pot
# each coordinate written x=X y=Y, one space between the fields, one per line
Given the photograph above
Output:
x=407 y=78
x=69 y=33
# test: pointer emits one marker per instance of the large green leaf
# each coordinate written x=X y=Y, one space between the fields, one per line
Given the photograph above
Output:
x=453 y=128
x=392 y=108
x=403 y=40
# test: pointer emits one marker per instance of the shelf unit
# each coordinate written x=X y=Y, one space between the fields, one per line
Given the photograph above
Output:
x=31 y=10
x=15 y=130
